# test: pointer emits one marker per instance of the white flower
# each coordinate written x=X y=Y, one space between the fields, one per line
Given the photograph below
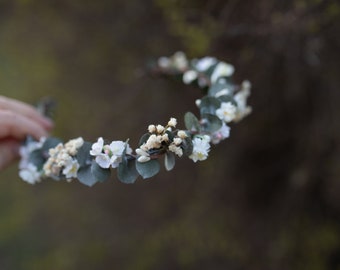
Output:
x=160 y=129
x=205 y=63
x=221 y=70
x=172 y=122
x=189 y=76
x=30 y=174
x=143 y=155
x=201 y=148
x=227 y=112
x=143 y=159
x=103 y=160
x=97 y=147
x=220 y=134
x=177 y=141
x=152 y=128
x=71 y=169
x=117 y=148
x=180 y=61
x=182 y=134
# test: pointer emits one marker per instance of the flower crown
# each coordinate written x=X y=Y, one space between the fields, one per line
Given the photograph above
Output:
x=224 y=102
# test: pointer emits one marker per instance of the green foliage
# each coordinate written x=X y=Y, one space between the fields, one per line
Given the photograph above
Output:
x=211 y=123
x=83 y=155
x=127 y=172
x=169 y=161
x=93 y=173
x=148 y=169
x=187 y=146
x=209 y=105
x=191 y=122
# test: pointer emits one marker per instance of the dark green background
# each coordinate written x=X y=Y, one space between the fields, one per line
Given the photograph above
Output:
x=267 y=198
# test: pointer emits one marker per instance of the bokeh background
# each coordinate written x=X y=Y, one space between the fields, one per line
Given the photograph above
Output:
x=267 y=198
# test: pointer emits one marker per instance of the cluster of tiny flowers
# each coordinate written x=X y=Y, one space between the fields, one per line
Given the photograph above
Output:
x=109 y=155
x=28 y=171
x=62 y=160
x=159 y=138
x=201 y=148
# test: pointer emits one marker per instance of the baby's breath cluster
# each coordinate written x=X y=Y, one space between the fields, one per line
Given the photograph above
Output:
x=223 y=104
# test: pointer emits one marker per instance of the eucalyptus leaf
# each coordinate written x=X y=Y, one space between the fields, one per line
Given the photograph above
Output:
x=83 y=155
x=144 y=138
x=86 y=177
x=127 y=172
x=169 y=161
x=187 y=146
x=191 y=122
x=211 y=123
x=36 y=157
x=148 y=169
x=100 y=173
x=216 y=88
x=50 y=142
x=209 y=105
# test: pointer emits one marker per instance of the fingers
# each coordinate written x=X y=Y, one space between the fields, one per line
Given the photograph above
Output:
x=9 y=152
x=19 y=126
x=25 y=110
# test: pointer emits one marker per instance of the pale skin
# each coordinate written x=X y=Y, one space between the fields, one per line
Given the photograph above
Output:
x=17 y=120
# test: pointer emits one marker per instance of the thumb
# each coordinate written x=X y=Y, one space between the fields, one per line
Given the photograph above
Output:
x=9 y=151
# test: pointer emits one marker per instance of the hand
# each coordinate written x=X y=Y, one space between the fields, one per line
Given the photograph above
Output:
x=17 y=120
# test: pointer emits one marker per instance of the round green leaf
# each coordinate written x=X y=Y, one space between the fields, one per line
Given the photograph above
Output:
x=148 y=169
x=127 y=172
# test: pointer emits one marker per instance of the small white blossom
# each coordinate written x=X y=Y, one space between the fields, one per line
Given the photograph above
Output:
x=182 y=134
x=189 y=76
x=71 y=169
x=152 y=128
x=227 y=112
x=172 y=122
x=220 y=134
x=221 y=70
x=177 y=141
x=142 y=152
x=143 y=159
x=176 y=149
x=30 y=174
x=205 y=63
x=201 y=148
x=160 y=129
x=180 y=61
x=97 y=147
x=198 y=102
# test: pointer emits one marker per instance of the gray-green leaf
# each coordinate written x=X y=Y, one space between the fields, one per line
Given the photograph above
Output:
x=148 y=169
x=169 y=161
x=191 y=122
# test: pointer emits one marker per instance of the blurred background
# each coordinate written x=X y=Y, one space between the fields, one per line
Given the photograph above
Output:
x=267 y=198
